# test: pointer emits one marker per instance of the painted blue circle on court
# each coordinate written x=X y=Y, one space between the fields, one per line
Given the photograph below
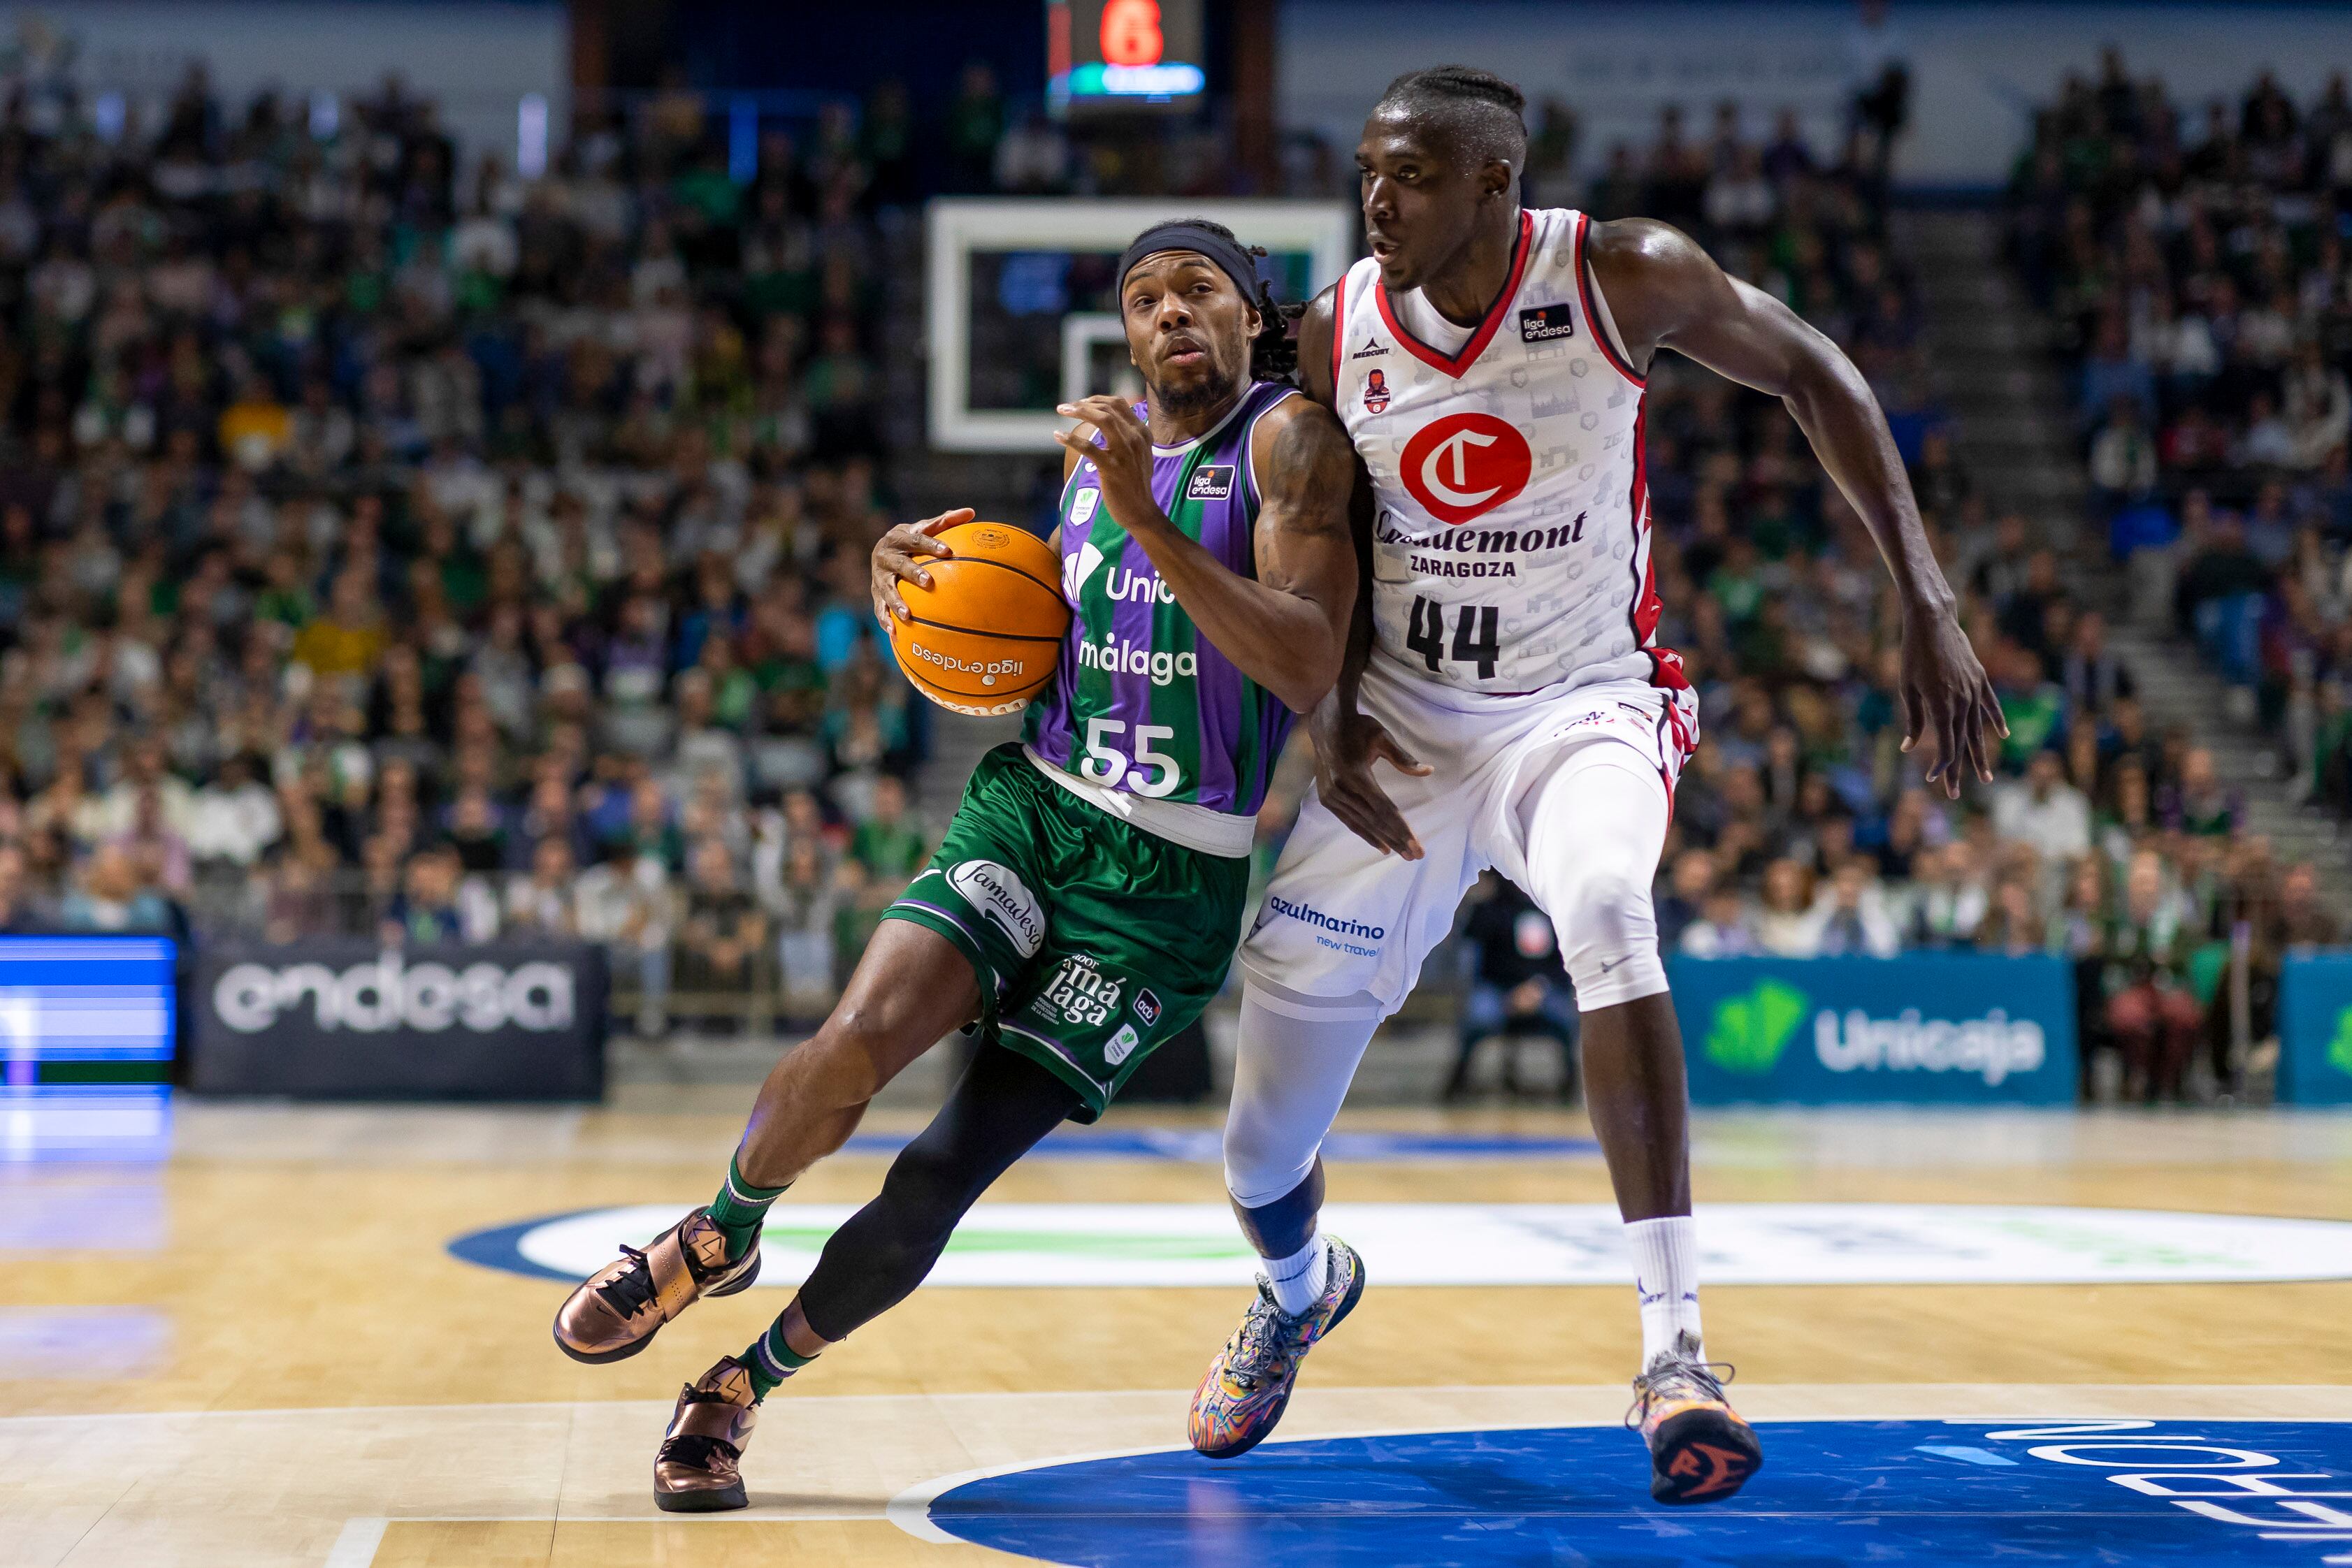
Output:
x=1832 y=1492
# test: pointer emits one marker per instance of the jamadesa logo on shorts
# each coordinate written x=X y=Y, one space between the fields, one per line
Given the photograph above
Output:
x=1004 y=900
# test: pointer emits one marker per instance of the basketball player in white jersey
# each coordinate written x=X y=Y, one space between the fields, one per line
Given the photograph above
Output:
x=1488 y=363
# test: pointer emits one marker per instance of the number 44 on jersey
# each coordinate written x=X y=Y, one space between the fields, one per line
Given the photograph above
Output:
x=1475 y=639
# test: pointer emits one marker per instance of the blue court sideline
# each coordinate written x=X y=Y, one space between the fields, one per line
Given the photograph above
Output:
x=2118 y=1494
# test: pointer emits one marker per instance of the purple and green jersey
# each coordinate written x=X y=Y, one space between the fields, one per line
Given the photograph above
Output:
x=1142 y=702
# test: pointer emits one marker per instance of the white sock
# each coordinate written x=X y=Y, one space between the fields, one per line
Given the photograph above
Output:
x=1665 y=1280
x=1300 y=1280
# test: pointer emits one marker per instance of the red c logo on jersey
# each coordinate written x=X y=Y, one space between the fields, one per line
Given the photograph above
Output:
x=1465 y=464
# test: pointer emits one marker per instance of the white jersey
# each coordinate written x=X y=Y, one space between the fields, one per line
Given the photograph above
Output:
x=1512 y=534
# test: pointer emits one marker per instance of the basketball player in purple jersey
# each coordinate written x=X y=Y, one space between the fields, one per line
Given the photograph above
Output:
x=1488 y=363
x=1088 y=896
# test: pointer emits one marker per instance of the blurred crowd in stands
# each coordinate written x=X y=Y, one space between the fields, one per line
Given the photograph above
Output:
x=2194 y=263
x=395 y=546
x=390 y=546
x=2193 y=266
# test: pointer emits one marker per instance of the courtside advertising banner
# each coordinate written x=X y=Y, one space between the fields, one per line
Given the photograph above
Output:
x=1934 y=1028
x=349 y=1020
x=2314 y=1025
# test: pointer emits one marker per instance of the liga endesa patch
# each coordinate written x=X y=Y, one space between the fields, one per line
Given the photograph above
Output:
x=1209 y=482
x=1545 y=323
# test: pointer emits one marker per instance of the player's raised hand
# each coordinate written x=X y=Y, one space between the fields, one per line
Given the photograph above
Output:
x=1122 y=457
x=898 y=556
x=1948 y=701
x=1346 y=747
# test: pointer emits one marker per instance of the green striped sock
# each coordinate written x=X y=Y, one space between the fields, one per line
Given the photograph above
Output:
x=769 y=1360
x=740 y=1207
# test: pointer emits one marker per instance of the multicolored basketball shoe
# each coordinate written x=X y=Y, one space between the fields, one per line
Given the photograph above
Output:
x=699 y=1468
x=616 y=1310
x=1700 y=1450
x=1249 y=1383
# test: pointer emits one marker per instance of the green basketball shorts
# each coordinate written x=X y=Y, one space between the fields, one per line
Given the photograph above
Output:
x=1093 y=940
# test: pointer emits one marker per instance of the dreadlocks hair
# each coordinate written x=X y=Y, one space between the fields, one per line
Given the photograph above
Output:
x=1274 y=353
x=1484 y=115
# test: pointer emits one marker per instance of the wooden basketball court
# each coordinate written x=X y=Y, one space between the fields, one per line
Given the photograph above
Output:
x=263 y=1351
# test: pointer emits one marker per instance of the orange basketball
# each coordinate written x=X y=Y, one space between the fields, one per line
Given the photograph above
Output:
x=988 y=632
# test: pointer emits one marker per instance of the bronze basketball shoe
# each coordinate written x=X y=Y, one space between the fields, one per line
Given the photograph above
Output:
x=700 y=1468
x=616 y=1310
x=1700 y=1450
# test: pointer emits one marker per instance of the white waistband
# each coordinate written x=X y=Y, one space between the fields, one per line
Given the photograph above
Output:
x=1220 y=834
x=1591 y=679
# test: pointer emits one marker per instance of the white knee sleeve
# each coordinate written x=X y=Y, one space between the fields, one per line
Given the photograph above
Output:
x=1595 y=828
x=1295 y=1058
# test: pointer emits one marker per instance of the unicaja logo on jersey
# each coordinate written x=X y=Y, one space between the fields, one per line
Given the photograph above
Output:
x=1122 y=586
x=1465 y=465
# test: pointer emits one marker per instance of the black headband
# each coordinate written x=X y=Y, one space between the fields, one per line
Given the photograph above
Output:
x=1190 y=233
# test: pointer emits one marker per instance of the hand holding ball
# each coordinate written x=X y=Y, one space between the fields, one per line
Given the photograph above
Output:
x=974 y=610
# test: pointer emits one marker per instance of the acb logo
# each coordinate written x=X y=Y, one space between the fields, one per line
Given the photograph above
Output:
x=1465 y=465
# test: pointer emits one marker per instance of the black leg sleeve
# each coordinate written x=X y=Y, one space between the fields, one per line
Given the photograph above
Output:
x=1280 y=1228
x=997 y=1111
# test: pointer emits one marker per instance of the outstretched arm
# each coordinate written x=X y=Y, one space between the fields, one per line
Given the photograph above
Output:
x=1287 y=628
x=1664 y=292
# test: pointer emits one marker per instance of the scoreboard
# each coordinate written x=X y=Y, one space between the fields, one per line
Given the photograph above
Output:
x=1123 y=55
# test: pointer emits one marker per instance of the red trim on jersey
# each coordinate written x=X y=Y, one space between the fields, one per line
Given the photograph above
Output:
x=1338 y=331
x=1665 y=666
x=1673 y=730
x=1454 y=365
x=1646 y=607
x=1592 y=317
x=1665 y=776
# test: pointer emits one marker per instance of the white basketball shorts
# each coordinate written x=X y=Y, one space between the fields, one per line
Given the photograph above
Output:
x=1344 y=928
